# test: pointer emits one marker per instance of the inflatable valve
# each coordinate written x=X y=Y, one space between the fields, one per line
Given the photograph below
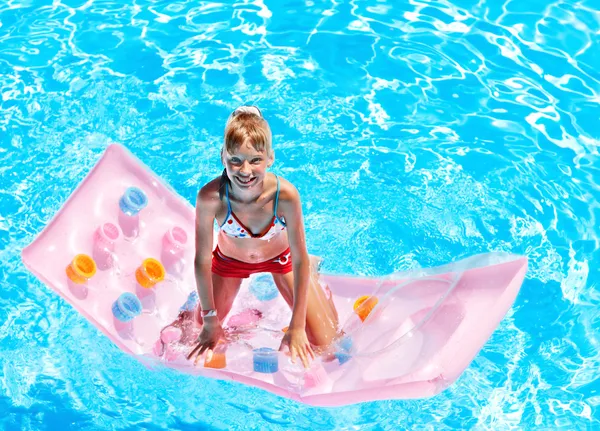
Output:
x=170 y=334
x=263 y=287
x=265 y=360
x=175 y=240
x=106 y=235
x=218 y=360
x=133 y=201
x=364 y=305
x=81 y=269
x=104 y=244
x=191 y=303
x=126 y=307
x=149 y=273
x=343 y=353
x=174 y=243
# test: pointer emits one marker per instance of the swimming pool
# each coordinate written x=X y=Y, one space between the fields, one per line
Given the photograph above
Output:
x=417 y=133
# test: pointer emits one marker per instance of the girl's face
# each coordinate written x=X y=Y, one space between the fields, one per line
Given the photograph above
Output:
x=246 y=167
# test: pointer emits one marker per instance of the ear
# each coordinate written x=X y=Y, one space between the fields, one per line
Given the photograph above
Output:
x=271 y=159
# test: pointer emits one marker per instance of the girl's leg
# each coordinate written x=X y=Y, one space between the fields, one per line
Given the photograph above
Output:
x=321 y=315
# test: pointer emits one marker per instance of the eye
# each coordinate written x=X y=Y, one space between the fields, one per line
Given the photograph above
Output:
x=256 y=161
x=235 y=161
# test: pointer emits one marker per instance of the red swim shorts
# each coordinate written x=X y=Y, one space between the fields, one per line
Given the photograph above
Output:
x=228 y=267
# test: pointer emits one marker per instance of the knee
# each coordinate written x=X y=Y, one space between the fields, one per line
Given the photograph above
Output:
x=320 y=338
x=315 y=263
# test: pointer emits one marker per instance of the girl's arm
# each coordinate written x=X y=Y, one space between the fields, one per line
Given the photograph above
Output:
x=207 y=205
x=291 y=209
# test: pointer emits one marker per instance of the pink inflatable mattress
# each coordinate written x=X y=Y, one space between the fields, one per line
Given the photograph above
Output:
x=121 y=252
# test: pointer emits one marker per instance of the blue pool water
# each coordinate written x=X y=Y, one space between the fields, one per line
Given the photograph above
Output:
x=418 y=132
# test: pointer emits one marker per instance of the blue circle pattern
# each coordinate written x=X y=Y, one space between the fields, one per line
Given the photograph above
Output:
x=263 y=287
x=344 y=346
x=127 y=307
x=133 y=201
x=191 y=303
x=265 y=360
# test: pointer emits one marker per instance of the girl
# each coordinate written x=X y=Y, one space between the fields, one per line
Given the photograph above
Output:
x=260 y=230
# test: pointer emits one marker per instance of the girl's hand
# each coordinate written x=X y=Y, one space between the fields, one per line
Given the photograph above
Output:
x=212 y=332
x=298 y=345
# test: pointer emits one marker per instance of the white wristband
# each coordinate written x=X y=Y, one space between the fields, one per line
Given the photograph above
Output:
x=209 y=313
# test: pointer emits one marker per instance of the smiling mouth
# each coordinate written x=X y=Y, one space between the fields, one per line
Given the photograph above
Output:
x=245 y=182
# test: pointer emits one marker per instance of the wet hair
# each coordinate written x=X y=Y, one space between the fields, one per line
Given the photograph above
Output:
x=245 y=124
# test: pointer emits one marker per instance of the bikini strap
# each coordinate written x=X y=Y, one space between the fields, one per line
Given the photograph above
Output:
x=228 y=203
x=276 y=198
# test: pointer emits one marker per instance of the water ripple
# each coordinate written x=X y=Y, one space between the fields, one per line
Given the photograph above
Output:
x=428 y=131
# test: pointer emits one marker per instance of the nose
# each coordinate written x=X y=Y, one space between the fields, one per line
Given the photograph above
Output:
x=245 y=168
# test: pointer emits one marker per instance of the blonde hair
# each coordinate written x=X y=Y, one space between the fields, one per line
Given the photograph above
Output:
x=246 y=124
